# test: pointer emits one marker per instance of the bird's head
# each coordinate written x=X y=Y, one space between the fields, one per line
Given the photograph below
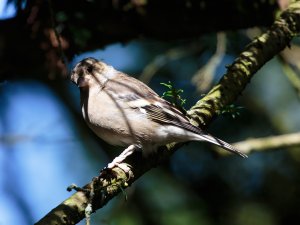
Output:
x=91 y=72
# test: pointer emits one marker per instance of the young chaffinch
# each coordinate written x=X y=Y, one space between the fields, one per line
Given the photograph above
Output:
x=126 y=112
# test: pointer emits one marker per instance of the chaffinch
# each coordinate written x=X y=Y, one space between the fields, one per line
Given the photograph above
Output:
x=126 y=112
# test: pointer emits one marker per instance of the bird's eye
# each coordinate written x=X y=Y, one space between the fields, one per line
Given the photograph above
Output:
x=89 y=69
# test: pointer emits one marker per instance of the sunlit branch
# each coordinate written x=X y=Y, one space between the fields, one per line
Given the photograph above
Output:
x=267 y=143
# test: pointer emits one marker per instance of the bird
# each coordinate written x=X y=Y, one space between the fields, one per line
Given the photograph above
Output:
x=124 y=111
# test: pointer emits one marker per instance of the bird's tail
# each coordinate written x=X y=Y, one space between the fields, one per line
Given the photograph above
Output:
x=222 y=144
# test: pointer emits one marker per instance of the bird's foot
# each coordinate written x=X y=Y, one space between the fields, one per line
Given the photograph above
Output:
x=119 y=162
x=123 y=166
x=108 y=171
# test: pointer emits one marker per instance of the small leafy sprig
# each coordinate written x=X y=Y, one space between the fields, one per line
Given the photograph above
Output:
x=173 y=95
x=232 y=110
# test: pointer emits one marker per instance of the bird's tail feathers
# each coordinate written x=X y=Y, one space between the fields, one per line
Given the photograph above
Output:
x=222 y=144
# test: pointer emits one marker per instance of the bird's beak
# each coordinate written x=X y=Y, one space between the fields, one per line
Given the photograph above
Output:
x=81 y=82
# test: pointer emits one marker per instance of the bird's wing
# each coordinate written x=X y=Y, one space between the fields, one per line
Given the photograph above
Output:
x=164 y=112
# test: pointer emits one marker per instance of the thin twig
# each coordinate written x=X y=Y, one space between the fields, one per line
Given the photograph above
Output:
x=204 y=76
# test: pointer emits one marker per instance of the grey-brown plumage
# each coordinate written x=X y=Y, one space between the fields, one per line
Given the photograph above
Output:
x=124 y=111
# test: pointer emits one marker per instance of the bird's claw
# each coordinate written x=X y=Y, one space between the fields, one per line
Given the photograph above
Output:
x=110 y=172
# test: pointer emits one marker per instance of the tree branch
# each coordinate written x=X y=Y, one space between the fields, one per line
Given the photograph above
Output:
x=239 y=74
x=274 y=142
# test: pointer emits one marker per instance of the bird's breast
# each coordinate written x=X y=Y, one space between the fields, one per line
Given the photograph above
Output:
x=109 y=120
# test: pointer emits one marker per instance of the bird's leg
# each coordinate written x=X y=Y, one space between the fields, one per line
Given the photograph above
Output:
x=118 y=161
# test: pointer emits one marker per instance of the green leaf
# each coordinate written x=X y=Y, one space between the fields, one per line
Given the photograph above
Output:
x=173 y=95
